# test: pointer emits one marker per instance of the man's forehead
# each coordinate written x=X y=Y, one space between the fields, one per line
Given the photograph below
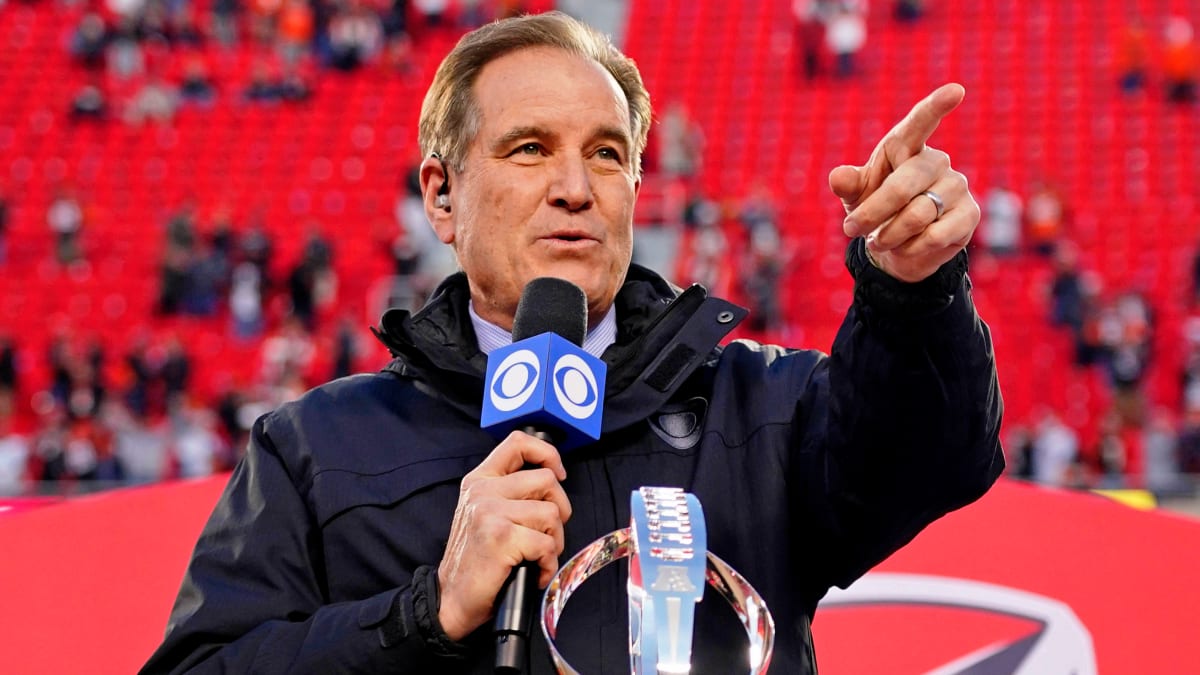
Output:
x=534 y=86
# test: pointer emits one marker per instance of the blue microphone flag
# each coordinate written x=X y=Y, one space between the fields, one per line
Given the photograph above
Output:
x=545 y=380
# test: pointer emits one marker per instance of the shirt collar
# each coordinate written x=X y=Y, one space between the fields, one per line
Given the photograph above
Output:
x=492 y=337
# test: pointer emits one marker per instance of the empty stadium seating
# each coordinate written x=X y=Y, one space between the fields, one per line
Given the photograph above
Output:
x=1042 y=104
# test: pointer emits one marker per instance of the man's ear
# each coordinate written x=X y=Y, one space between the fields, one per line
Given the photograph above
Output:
x=435 y=193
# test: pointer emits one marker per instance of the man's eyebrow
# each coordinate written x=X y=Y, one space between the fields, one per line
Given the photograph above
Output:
x=615 y=134
x=518 y=133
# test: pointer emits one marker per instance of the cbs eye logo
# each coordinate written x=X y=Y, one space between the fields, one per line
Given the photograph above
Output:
x=515 y=380
x=575 y=386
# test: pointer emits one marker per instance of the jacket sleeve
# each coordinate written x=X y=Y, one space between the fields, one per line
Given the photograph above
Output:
x=252 y=598
x=900 y=424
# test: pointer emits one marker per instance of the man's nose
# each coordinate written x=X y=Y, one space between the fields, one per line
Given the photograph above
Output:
x=572 y=186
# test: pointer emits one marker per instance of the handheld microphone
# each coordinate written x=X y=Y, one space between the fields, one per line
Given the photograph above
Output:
x=547 y=386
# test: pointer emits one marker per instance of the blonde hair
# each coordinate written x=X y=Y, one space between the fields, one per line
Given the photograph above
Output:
x=450 y=113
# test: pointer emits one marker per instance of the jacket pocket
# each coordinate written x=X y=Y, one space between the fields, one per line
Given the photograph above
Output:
x=337 y=490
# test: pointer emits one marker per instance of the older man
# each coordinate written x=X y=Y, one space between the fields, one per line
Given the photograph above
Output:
x=372 y=523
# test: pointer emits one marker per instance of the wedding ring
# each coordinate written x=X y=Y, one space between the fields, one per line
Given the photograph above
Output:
x=937 y=202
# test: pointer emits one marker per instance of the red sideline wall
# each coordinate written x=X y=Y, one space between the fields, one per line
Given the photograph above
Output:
x=86 y=585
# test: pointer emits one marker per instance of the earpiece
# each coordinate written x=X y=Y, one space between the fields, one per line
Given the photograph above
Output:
x=442 y=201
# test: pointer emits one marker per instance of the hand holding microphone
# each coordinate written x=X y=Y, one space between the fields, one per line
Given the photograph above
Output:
x=542 y=390
x=504 y=517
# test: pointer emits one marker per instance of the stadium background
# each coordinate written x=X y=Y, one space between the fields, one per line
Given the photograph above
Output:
x=1045 y=107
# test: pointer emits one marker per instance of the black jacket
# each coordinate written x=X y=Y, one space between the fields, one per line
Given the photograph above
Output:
x=321 y=555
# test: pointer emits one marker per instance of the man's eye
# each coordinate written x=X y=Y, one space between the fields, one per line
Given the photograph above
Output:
x=528 y=149
x=609 y=153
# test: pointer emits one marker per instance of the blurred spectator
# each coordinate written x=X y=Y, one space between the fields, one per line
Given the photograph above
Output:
x=153 y=27
x=432 y=11
x=174 y=276
x=1160 y=446
x=909 y=10
x=206 y=281
x=810 y=17
x=59 y=360
x=124 y=57
x=1180 y=60
x=85 y=392
x=1045 y=214
x=1020 y=453
x=302 y=288
x=224 y=15
x=234 y=424
x=65 y=218
x=196 y=86
x=845 y=35
x=264 y=87
x=222 y=235
x=8 y=371
x=765 y=260
x=318 y=257
x=255 y=247
x=1112 y=455
x=1067 y=289
x=1189 y=442
x=197 y=447
x=395 y=19
x=1001 y=226
x=155 y=101
x=407 y=288
x=50 y=450
x=287 y=356
x=181 y=227
x=81 y=455
x=345 y=348
x=263 y=20
x=1055 y=449
x=294 y=87
x=1133 y=56
x=184 y=29
x=140 y=374
x=140 y=445
x=296 y=30
x=245 y=301
x=355 y=36
x=400 y=56
x=1128 y=335
x=709 y=248
x=89 y=103
x=176 y=372
x=14 y=457
x=89 y=41
x=681 y=146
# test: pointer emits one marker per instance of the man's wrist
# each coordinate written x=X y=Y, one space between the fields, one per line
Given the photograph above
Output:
x=426 y=608
x=898 y=300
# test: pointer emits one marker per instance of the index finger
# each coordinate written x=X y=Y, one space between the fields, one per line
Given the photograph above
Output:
x=919 y=124
x=518 y=450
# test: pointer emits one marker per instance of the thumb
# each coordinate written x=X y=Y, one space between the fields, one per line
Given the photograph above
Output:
x=847 y=182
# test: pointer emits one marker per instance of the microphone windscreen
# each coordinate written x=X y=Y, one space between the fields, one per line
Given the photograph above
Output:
x=550 y=305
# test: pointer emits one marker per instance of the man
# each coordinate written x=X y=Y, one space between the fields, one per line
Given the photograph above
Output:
x=372 y=523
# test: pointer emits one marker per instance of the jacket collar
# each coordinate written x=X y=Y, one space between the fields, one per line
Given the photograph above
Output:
x=663 y=335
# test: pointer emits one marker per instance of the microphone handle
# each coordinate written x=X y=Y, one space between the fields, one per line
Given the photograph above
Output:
x=518 y=603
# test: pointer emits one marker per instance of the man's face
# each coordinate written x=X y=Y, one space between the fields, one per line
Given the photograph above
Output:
x=548 y=185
